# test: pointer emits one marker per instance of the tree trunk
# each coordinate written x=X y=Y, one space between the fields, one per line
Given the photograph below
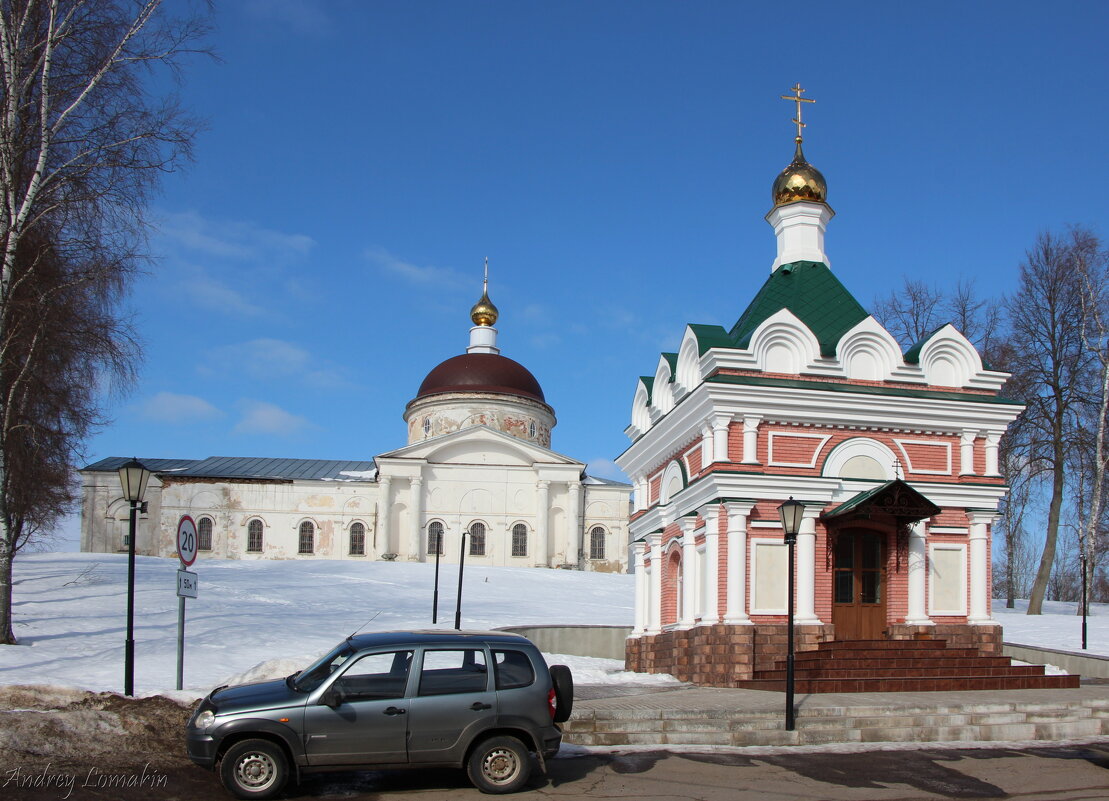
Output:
x=7 y=633
x=1043 y=575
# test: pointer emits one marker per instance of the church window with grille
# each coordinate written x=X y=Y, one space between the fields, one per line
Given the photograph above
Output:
x=254 y=536
x=204 y=534
x=357 y=539
x=307 y=537
x=427 y=426
x=519 y=540
x=531 y=429
x=477 y=539
x=597 y=543
x=435 y=538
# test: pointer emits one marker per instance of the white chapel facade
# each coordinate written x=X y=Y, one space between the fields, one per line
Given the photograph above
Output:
x=477 y=466
x=893 y=454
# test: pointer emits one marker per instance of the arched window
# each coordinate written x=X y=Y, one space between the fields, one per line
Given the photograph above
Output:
x=519 y=540
x=597 y=543
x=531 y=429
x=204 y=534
x=307 y=537
x=477 y=539
x=254 y=536
x=435 y=538
x=427 y=426
x=357 y=539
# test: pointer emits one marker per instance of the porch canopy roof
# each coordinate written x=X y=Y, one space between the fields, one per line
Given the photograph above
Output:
x=894 y=498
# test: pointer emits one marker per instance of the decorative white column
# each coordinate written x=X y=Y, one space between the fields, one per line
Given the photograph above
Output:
x=993 y=439
x=573 y=523
x=720 y=425
x=711 y=514
x=385 y=518
x=736 y=576
x=689 y=573
x=654 y=605
x=917 y=613
x=979 y=566
x=751 y=439
x=707 y=445
x=966 y=453
x=542 y=518
x=642 y=590
x=417 y=544
x=805 y=614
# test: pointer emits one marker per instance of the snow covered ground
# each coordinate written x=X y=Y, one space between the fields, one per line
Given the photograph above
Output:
x=257 y=619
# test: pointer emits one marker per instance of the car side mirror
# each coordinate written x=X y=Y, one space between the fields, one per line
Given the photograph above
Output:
x=332 y=697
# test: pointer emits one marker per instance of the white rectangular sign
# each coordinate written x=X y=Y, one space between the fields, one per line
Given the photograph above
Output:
x=187 y=584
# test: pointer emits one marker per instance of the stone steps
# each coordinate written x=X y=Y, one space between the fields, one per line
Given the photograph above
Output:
x=854 y=666
x=971 y=722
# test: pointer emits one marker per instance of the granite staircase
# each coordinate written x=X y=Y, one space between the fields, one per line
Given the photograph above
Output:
x=864 y=666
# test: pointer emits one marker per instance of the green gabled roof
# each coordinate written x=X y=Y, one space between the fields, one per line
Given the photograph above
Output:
x=648 y=382
x=815 y=296
x=672 y=360
x=912 y=356
x=710 y=336
x=894 y=497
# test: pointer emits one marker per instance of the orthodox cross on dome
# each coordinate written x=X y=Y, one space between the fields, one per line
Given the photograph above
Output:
x=796 y=98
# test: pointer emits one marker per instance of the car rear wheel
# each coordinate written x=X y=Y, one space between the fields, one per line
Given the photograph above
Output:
x=254 y=769
x=499 y=765
x=563 y=681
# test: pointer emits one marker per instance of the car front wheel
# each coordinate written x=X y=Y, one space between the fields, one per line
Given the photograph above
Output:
x=499 y=765
x=254 y=769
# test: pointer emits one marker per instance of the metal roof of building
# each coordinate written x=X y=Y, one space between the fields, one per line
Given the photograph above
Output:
x=251 y=467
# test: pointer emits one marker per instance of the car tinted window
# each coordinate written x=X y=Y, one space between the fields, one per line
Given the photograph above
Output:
x=512 y=669
x=323 y=667
x=376 y=676
x=453 y=671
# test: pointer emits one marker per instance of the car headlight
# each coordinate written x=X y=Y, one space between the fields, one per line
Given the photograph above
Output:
x=204 y=719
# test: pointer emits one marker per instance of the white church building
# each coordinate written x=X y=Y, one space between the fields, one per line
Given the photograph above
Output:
x=478 y=466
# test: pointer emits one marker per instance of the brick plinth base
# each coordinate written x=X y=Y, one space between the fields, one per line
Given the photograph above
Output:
x=987 y=639
x=721 y=655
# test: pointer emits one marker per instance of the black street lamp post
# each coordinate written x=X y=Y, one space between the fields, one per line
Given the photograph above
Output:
x=461 y=564
x=133 y=477
x=790 y=514
x=435 y=595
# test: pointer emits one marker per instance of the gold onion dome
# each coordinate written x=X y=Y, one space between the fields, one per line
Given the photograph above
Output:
x=484 y=312
x=799 y=181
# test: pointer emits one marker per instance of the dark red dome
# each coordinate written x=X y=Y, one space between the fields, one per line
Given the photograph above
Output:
x=482 y=372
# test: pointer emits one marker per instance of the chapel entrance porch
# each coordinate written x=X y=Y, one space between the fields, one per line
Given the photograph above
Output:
x=859 y=585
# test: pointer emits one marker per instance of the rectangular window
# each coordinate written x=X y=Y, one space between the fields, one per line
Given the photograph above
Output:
x=520 y=540
x=455 y=671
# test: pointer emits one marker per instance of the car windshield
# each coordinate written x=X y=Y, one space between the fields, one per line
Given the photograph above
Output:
x=313 y=676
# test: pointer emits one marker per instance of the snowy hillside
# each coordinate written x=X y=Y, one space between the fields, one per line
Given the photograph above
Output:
x=255 y=619
x=70 y=613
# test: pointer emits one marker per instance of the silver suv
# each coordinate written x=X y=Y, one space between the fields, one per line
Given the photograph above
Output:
x=478 y=700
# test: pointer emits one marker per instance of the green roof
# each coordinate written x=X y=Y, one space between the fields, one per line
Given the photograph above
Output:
x=815 y=296
x=672 y=360
x=905 y=499
x=710 y=336
x=912 y=355
x=649 y=383
x=862 y=389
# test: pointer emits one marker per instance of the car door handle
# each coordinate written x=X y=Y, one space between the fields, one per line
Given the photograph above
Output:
x=478 y=706
x=394 y=711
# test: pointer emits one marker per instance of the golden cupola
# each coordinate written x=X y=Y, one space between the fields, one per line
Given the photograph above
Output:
x=484 y=312
x=800 y=181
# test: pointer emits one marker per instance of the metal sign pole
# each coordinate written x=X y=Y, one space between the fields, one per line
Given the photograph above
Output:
x=180 y=640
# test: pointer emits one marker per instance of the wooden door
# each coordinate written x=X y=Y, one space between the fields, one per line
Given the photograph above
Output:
x=858 y=586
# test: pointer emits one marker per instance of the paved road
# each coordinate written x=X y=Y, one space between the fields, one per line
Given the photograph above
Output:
x=1041 y=773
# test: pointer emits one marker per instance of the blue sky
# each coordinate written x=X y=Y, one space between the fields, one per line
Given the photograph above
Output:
x=613 y=160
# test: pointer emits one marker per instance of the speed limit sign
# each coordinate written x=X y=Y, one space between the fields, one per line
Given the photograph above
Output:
x=186 y=540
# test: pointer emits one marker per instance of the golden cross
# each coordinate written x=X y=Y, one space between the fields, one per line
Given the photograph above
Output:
x=796 y=97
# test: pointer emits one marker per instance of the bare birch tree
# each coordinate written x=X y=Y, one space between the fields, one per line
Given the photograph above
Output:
x=83 y=144
x=1054 y=369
